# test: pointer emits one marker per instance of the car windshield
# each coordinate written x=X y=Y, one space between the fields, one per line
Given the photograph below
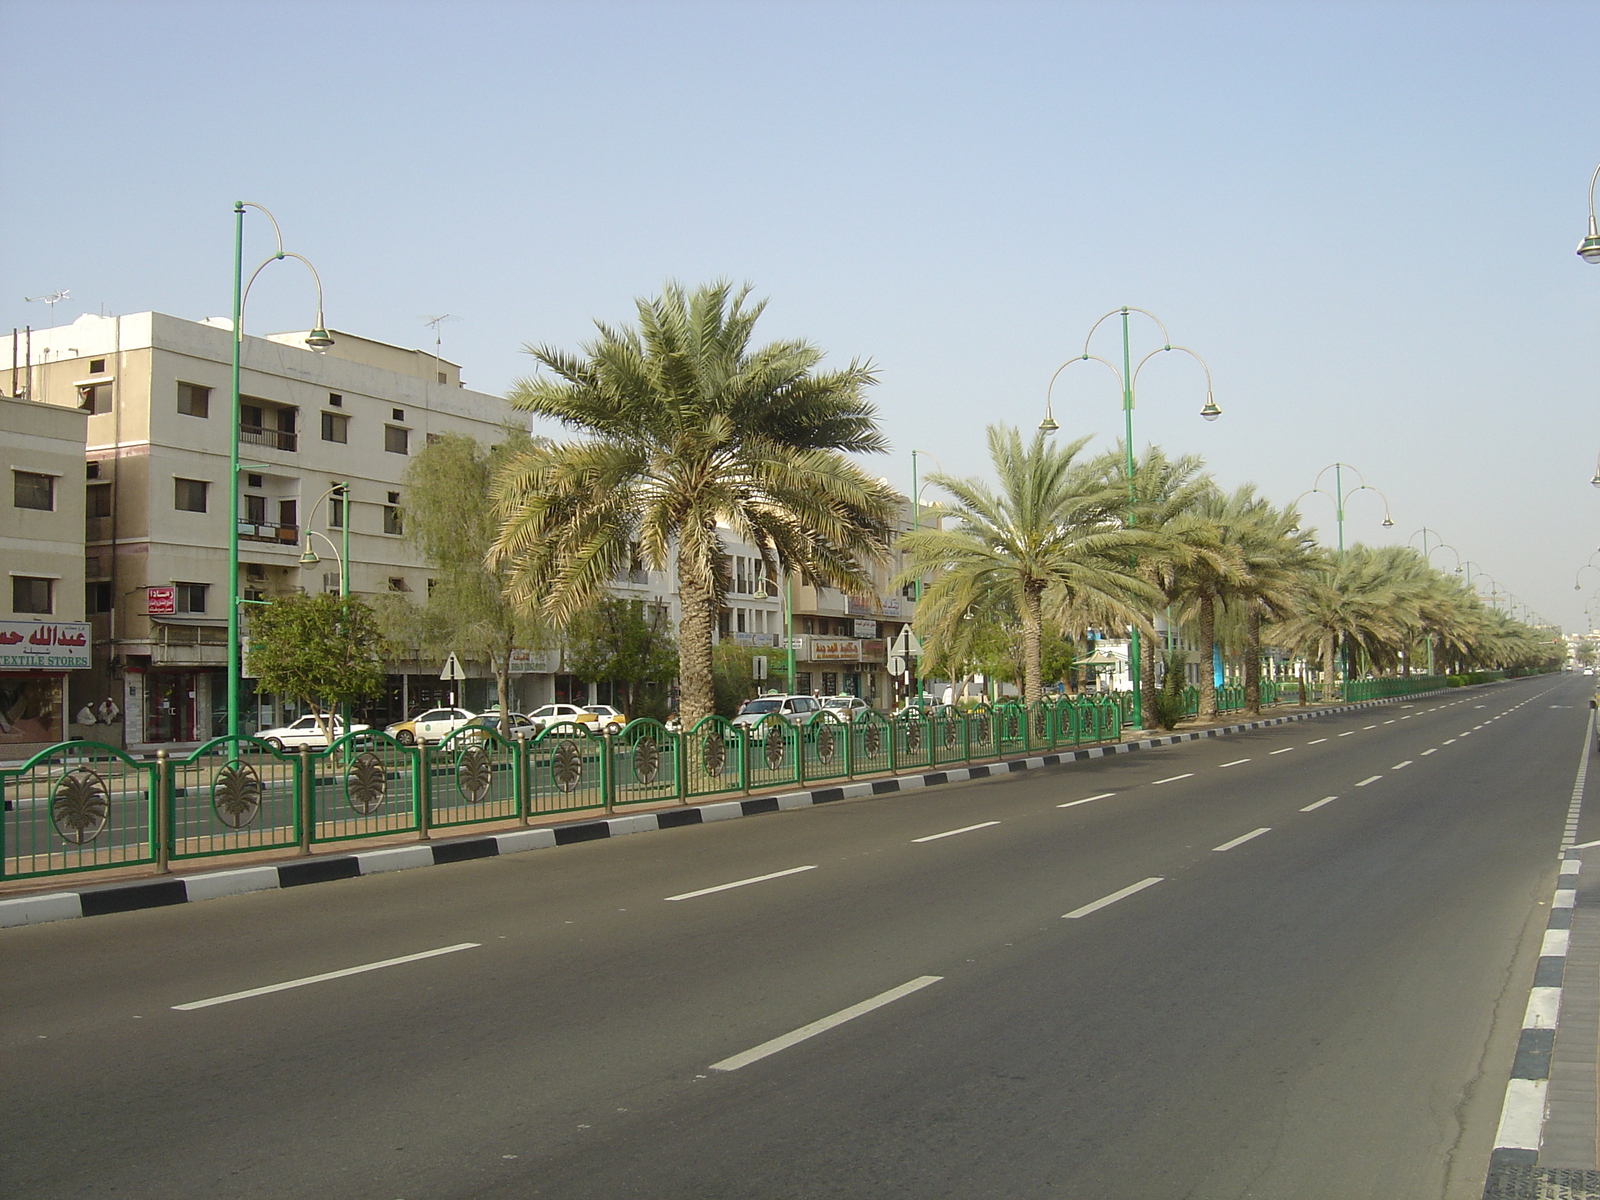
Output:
x=763 y=706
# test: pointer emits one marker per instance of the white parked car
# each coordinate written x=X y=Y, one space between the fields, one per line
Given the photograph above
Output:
x=845 y=706
x=608 y=719
x=794 y=709
x=429 y=726
x=562 y=714
x=304 y=732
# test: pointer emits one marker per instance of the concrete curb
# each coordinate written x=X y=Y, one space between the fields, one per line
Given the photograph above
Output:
x=157 y=893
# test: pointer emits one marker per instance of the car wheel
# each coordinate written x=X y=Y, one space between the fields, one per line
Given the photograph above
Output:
x=275 y=744
x=406 y=738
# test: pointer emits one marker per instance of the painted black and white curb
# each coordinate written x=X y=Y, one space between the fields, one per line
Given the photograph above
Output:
x=39 y=908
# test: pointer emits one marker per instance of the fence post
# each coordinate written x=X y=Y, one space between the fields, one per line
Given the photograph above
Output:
x=422 y=793
x=607 y=790
x=303 y=806
x=519 y=776
x=162 y=825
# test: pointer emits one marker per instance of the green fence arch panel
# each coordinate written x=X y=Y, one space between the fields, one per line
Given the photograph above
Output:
x=949 y=728
x=871 y=743
x=712 y=757
x=566 y=770
x=77 y=806
x=472 y=777
x=913 y=741
x=825 y=742
x=772 y=752
x=232 y=795
x=644 y=763
x=364 y=785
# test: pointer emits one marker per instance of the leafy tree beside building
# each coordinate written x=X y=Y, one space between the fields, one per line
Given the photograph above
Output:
x=322 y=650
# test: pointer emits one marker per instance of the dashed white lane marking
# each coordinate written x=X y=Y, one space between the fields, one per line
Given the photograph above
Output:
x=1239 y=841
x=738 y=883
x=1285 y=750
x=1369 y=727
x=1315 y=741
x=1434 y=750
x=1389 y=722
x=1234 y=763
x=934 y=837
x=1369 y=779
x=1347 y=733
x=1401 y=765
x=1173 y=778
x=1448 y=741
x=1319 y=803
x=1104 y=901
x=1087 y=800
x=757 y=1053
x=323 y=978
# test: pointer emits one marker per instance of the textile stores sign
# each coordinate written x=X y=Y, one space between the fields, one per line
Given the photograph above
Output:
x=44 y=645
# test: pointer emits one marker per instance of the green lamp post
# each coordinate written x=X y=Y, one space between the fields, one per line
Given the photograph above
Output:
x=1128 y=376
x=319 y=340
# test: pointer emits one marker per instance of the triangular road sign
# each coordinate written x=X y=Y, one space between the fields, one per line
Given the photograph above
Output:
x=452 y=672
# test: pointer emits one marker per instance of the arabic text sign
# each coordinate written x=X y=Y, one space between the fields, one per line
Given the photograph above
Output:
x=161 y=601
x=44 y=645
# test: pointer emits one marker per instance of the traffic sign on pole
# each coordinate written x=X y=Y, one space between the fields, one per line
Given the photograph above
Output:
x=452 y=672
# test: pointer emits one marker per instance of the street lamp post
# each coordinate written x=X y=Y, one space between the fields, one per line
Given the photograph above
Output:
x=1339 y=496
x=1127 y=376
x=319 y=340
x=916 y=523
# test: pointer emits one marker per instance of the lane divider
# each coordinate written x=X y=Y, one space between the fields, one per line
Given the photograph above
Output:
x=1107 y=901
x=1239 y=841
x=250 y=993
x=739 y=883
x=767 y=1049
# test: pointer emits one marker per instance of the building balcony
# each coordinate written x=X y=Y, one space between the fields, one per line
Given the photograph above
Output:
x=283 y=535
x=259 y=435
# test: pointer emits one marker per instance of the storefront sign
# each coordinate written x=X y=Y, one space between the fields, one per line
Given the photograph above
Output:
x=533 y=662
x=874 y=606
x=866 y=629
x=44 y=645
x=835 y=650
x=161 y=602
x=772 y=640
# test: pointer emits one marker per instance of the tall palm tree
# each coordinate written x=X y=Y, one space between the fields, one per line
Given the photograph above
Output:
x=686 y=428
x=1052 y=528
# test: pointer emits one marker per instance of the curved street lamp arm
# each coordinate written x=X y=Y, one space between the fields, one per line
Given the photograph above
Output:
x=1048 y=425
x=1117 y=312
x=1367 y=487
x=1210 y=411
x=282 y=253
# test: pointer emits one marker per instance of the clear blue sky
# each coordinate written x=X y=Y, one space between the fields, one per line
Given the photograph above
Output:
x=1362 y=215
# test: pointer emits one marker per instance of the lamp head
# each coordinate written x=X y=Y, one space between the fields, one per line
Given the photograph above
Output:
x=309 y=558
x=1210 y=411
x=1388 y=521
x=1048 y=426
x=319 y=339
x=1589 y=248
x=1596 y=480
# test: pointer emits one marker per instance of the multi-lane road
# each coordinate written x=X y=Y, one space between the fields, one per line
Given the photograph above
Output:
x=1289 y=963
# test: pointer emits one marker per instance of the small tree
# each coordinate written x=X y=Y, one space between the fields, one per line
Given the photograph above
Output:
x=321 y=650
x=733 y=675
x=622 y=642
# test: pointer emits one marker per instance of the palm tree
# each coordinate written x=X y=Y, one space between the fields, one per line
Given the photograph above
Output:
x=688 y=429
x=1051 y=535
x=1353 y=600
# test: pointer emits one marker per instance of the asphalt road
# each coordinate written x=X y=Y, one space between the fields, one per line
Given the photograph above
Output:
x=1316 y=1003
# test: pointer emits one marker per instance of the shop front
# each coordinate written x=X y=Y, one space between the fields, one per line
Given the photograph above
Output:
x=36 y=661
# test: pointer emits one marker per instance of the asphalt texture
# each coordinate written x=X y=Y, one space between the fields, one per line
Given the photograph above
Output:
x=1328 y=1008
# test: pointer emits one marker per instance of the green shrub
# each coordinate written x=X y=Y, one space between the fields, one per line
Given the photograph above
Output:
x=1169 y=697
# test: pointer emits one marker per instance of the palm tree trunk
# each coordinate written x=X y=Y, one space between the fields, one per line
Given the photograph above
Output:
x=1032 y=667
x=696 y=690
x=1208 y=652
x=1252 y=659
x=1327 y=668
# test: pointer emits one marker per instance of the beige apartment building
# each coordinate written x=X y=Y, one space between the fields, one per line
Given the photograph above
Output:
x=44 y=641
x=150 y=490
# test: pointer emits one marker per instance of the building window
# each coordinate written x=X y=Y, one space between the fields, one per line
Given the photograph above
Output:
x=335 y=399
x=255 y=510
x=802 y=683
x=252 y=481
x=98 y=597
x=288 y=512
x=335 y=427
x=97 y=366
x=32 y=595
x=91 y=470
x=397 y=583
x=189 y=495
x=443 y=378
x=391 y=519
x=97 y=500
x=399 y=414
x=94 y=397
x=194 y=400
x=190 y=597
x=335 y=512
x=396 y=440
x=32 y=490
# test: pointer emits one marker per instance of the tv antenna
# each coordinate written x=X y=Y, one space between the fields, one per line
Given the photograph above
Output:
x=434 y=323
x=53 y=299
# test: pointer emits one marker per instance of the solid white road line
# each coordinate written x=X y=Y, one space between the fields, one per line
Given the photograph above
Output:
x=757 y=1053
x=323 y=978
x=934 y=837
x=1234 y=763
x=722 y=887
x=1239 y=841
x=1369 y=779
x=1173 y=778
x=1104 y=901
x=1319 y=803
x=1285 y=750
x=1087 y=800
x=1401 y=765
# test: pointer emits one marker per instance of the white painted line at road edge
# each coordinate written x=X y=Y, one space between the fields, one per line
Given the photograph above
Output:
x=323 y=978
x=756 y=1053
x=722 y=887
x=1239 y=841
x=1173 y=779
x=1123 y=894
x=934 y=837
x=1316 y=804
x=1087 y=800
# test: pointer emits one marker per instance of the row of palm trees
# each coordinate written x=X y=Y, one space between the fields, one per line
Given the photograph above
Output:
x=682 y=427
x=1061 y=543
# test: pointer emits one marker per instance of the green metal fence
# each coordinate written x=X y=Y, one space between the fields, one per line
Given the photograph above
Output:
x=82 y=806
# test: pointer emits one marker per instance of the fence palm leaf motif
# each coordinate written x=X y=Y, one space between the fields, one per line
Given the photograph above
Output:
x=236 y=795
x=773 y=744
x=474 y=774
x=827 y=744
x=566 y=765
x=366 y=783
x=913 y=733
x=713 y=751
x=646 y=760
x=871 y=739
x=80 y=806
